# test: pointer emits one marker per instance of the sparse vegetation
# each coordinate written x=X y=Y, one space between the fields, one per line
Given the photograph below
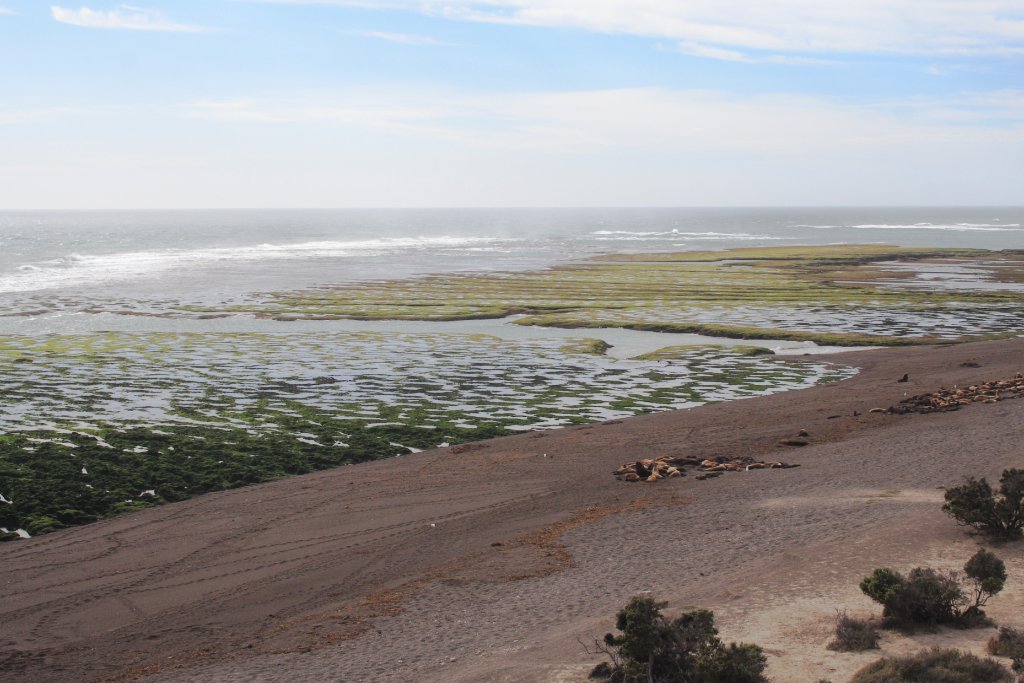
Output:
x=934 y=666
x=999 y=513
x=854 y=635
x=929 y=597
x=686 y=649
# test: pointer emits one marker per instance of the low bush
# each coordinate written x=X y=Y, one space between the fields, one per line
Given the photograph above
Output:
x=934 y=666
x=929 y=597
x=686 y=649
x=998 y=513
x=1008 y=643
x=924 y=596
x=854 y=635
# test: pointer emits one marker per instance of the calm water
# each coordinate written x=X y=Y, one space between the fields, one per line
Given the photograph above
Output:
x=216 y=256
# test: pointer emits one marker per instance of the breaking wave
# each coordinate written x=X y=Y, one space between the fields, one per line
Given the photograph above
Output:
x=77 y=270
x=630 y=235
x=953 y=227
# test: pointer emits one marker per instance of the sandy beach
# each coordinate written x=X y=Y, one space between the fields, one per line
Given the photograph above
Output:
x=498 y=561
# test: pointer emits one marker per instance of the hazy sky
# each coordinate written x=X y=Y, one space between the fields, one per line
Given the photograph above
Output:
x=337 y=103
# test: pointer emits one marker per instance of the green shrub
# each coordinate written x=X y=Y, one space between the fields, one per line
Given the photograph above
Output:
x=924 y=596
x=687 y=649
x=928 y=597
x=737 y=663
x=854 y=635
x=986 y=574
x=1008 y=643
x=999 y=513
x=933 y=666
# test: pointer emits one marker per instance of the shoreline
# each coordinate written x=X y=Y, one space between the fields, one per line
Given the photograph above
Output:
x=333 y=573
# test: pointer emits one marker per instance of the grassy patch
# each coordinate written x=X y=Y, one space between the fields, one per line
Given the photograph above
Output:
x=834 y=295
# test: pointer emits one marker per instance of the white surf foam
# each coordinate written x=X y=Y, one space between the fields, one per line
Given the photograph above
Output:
x=77 y=270
x=953 y=227
x=630 y=235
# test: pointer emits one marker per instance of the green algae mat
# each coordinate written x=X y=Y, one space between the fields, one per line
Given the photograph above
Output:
x=94 y=425
x=842 y=295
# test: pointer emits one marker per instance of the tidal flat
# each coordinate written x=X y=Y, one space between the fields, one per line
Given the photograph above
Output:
x=842 y=295
x=94 y=423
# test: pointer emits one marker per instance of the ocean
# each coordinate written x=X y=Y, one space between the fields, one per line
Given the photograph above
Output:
x=214 y=257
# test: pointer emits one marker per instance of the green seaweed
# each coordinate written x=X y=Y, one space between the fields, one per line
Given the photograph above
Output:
x=798 y=293
x=99 y=425
x=736 y=332
x=596 y=347
x=680 y=352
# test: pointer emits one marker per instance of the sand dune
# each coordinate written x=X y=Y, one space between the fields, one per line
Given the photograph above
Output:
x=491 y=562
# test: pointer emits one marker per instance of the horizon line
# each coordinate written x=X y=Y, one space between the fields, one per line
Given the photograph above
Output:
x=563 y=207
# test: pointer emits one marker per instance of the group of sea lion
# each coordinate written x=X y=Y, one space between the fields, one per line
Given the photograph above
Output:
x=668 y=466
x=955 y=398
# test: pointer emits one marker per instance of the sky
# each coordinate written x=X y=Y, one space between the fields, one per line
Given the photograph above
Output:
x=409 y=103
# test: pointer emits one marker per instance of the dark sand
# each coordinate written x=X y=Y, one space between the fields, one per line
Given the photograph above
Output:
x=491 y=562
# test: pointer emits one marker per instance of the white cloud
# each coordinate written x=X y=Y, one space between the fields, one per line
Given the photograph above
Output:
x=729 y=55
x=711 y=52
x=725 y=30
x=654 y=121
x=126 y=17
x=10 y=115
x=366 y=111
x=7 y=10
x=404 y=146
x=401 y=38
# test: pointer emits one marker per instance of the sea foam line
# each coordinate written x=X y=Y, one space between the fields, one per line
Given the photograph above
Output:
x=631 y=235
x=954 y=227
x=87 y=269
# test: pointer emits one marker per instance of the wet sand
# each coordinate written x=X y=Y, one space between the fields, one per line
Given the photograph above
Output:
x=494 y=561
